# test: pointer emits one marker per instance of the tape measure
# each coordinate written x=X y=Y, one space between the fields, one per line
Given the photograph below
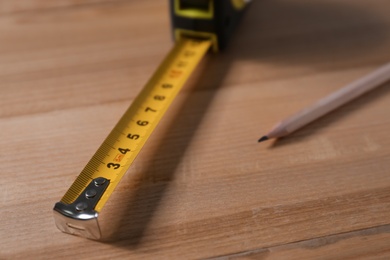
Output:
x=92 y=188
x=77 y=212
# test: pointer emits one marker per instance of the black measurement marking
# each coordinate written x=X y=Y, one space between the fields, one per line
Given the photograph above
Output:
x=119 y=131
x=181 y=64
x=109 y=145
x=150 y=109
x=123 y=151
x=188 y=54
x=133 y=137
x=159 y=97
x=142 y=123
x=167 y=86
x=113 y=165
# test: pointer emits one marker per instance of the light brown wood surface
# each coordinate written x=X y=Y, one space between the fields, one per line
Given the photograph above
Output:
x=202 y=187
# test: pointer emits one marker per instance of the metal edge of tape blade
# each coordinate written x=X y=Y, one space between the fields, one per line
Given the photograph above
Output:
x=88 y=228
x=80 y=216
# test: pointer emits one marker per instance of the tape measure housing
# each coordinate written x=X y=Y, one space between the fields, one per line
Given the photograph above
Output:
x=215 y=20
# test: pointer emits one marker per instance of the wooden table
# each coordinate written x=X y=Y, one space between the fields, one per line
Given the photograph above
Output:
x=202 y=187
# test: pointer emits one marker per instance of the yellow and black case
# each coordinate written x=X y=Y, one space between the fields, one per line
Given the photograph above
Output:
x=211 y=19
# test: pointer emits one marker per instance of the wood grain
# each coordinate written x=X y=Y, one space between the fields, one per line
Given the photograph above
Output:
x=11 y=6
x=202 y=187
x=372 y=243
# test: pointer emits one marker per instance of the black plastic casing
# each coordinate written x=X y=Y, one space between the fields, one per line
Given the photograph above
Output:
x=225 y=19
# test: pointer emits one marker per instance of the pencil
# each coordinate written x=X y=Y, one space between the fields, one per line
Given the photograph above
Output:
x=330 y=103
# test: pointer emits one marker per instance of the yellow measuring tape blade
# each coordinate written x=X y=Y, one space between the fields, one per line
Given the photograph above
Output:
x=121 y=147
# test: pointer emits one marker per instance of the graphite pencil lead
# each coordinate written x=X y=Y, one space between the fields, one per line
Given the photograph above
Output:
x=264 y=138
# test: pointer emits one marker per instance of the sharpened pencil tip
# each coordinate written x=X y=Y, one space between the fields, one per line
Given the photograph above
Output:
x=264 y=138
